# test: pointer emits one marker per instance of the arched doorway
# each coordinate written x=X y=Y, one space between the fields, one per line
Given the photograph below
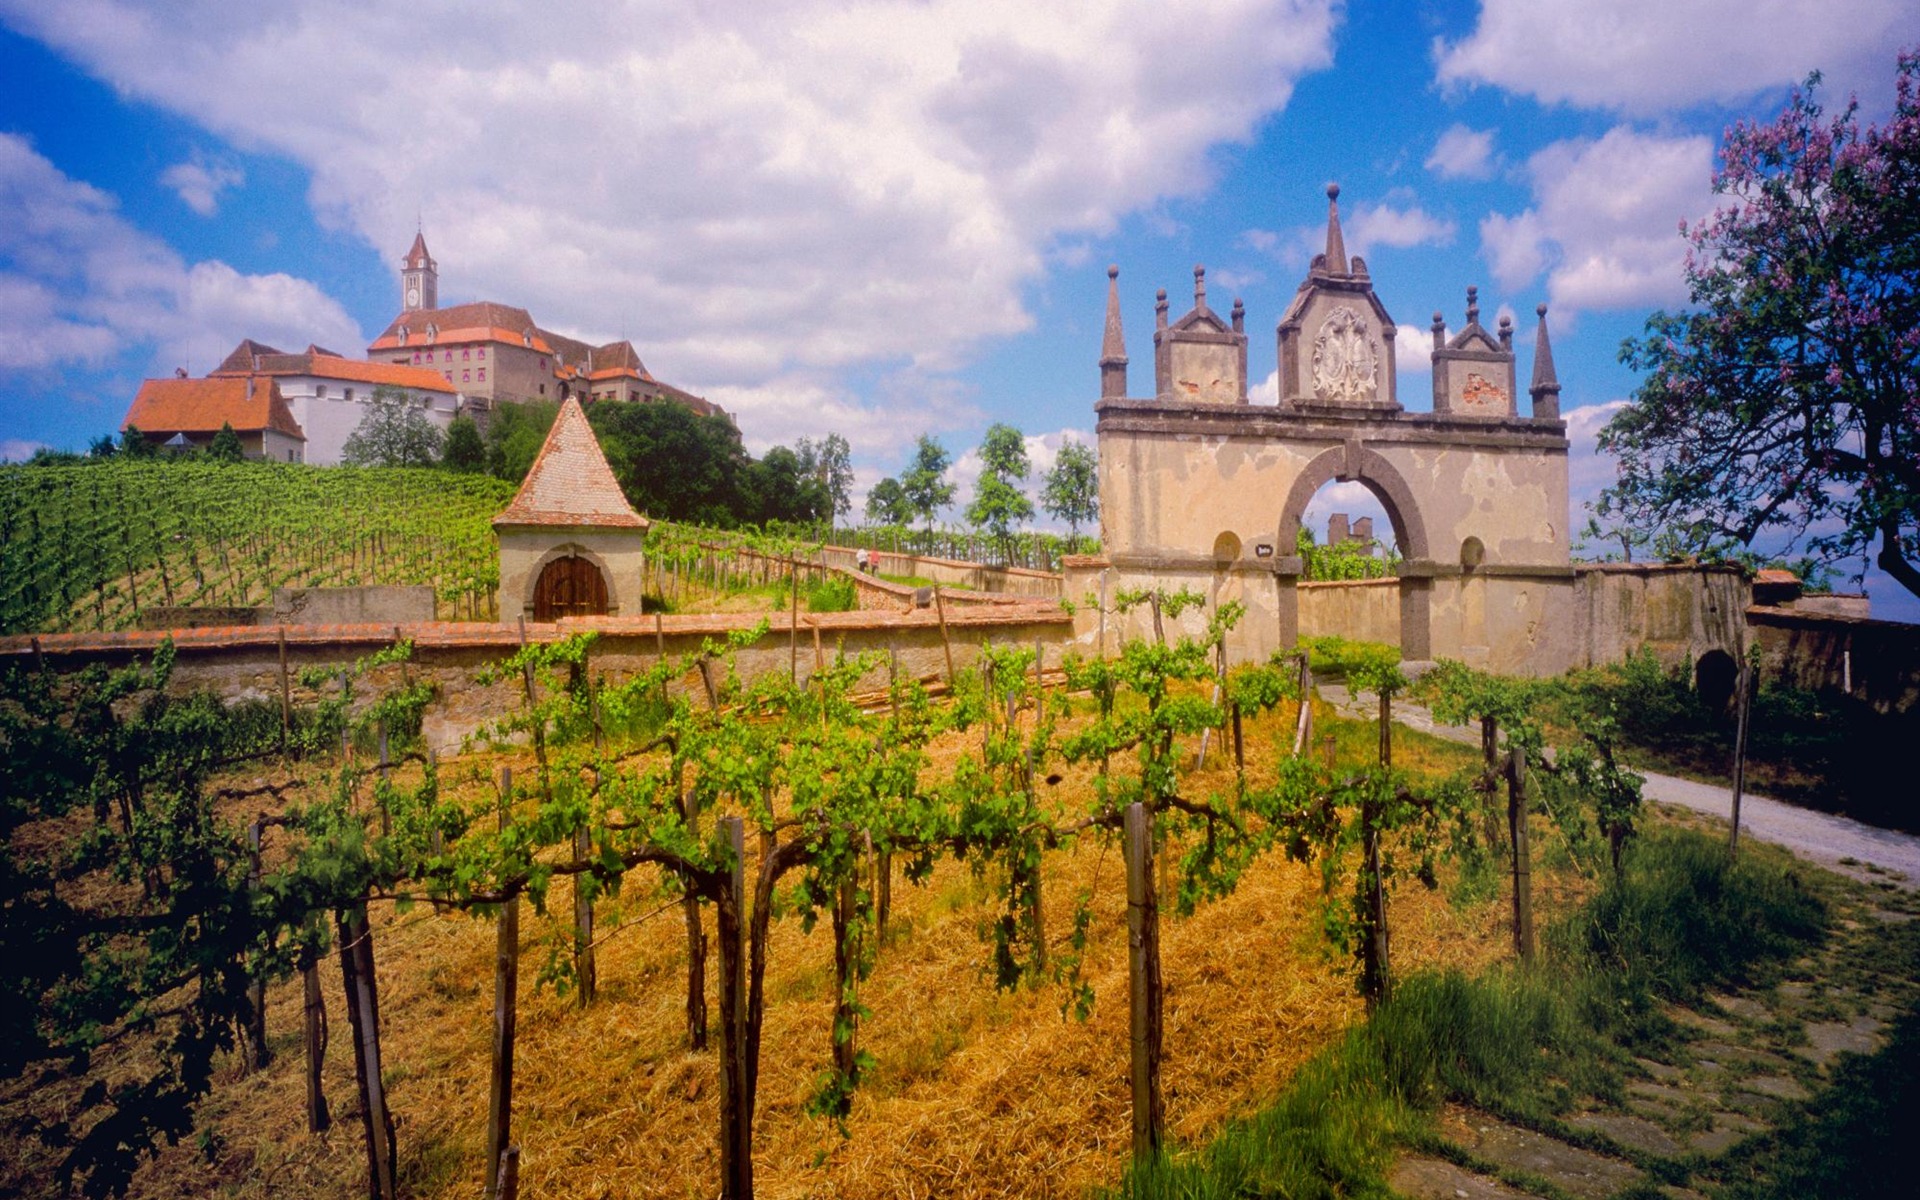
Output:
x=569 y=587
x=1354 y=463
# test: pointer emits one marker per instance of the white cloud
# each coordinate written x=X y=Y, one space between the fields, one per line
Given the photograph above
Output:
x=754 y=190
x=80 y=285
x=19 y=449
x=1372 y=226
x=199 y=183
x=1651 y=56
x=1588 y=470
x=1413 y=356
x=1604 y=225
x=1463 y=153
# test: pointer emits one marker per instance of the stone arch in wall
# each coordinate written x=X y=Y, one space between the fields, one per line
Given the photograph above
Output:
x=1354 y=463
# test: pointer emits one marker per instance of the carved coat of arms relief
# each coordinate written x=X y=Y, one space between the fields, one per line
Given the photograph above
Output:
x=1345 y=368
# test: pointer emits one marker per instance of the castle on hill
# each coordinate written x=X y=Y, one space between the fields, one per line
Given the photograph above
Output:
x=447 y=362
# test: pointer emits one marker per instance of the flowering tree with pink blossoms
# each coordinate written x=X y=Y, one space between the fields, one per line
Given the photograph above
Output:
x=1787 y=399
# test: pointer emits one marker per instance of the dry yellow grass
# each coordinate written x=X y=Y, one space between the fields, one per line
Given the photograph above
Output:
x=978 y=1093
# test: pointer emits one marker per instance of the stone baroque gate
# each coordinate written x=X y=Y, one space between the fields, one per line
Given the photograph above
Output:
x=1200 y=488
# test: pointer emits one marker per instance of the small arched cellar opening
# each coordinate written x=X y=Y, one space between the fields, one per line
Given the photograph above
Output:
x=569 y=586
x=1714 y=678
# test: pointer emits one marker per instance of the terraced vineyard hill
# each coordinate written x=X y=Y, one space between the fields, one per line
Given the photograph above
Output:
x=89 y=546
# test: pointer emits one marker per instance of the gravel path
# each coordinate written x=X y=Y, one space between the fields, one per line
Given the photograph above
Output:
x=1837 y=843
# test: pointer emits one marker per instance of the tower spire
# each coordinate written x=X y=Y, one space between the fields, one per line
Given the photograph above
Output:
x=1113 y=347
x=1336 y=244
x=1545 y=388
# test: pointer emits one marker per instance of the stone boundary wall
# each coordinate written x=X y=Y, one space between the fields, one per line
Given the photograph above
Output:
x=374 y=604
x=242 y=663
x=880 y=595
x=1002 y=581
x=1363 y=609
x=1876 y=662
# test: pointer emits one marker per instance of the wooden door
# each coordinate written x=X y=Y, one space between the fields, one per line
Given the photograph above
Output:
x=569 y=587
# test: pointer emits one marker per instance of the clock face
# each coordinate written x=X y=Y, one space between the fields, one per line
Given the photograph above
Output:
x=413 y=295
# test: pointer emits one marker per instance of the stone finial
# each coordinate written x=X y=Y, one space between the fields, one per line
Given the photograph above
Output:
x=1506 y=332
x=1199 y=287
x=1545 y=388
x=1113 y=347
x=1160 y=309
x=1336 y=245
x=1439 y=329
x=1473 y=305
x=1239 y=315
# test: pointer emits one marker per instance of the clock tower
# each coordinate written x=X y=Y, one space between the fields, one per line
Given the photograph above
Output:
x=419 y=278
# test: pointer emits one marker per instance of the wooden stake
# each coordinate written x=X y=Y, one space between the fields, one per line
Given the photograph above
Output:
x=1386 y=729
x=1743 y=708
x=1303 y=727
x=286 y=693
x=736 y=1123
x=507 y=1184
x=1143 y=974
x=314 y=1029
x=363 y=1014
x=946 y=642
x=583 y=967
x=1522 y=858
x=506 y=979
x=259 y=1055
x=793 y=623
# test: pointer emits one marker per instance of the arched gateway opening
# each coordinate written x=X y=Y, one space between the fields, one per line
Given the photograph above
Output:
x=1352 y=463
x=569 y=587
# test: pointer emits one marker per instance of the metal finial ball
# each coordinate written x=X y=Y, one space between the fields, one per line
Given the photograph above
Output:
x=1540 y=310
x=1113 y=272
x=1333 y=191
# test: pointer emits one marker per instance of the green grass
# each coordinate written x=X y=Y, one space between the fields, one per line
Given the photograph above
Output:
x=1521 y=1043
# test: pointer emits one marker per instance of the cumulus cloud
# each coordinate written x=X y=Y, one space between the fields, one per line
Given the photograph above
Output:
x=1373 y=226
x=757 y=190
x=1589 y=471
x=80 y=285
x=19 y=449
x=1651 y=56
x=199 y=183
x=1605 y=219
x=1463 y=153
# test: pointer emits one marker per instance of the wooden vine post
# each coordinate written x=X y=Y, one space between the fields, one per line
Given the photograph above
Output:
x=793 y=622
x=1375 y=978
x=1490 y=755
x=696 y=945
x=1743 y=713
x=363 y=1016
x=1143 y=975
x=1522 y=865
x=314 y=1031
x=946 y=642
x=258 y=1054
x=736 y=1084
x=506 y=981
x=1303 y=728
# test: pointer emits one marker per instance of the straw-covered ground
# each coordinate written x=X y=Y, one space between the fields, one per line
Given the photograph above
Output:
x=977 y=1093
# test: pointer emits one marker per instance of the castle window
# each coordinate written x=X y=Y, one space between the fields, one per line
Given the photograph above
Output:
x=482 y=352
x=449 y=375
x=465 y=355
x=416 y=358
x=483 y=374
x=466 y=377
x=320 y=393
x=349 y=395
x=543 y=389
x=429 y=356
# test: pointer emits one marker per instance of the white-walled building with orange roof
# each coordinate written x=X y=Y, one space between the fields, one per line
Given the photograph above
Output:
x=191 y=411
x=328 y=395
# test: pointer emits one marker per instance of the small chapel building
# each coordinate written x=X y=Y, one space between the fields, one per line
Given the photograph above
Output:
x=570 y=544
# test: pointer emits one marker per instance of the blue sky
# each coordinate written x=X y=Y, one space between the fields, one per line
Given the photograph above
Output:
x=877 y=219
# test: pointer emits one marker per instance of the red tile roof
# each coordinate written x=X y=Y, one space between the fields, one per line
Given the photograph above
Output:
x=241 y=360
x=204 y=405
x=480 y=321
x=332 y=366
x=570 y=482
x=418 y=256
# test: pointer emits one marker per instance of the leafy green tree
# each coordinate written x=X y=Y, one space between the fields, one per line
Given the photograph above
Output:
x=1071 y=490
x=786 y=490
x=998 y=503
x=466 y=450
x=103 y=446
x=887 y=503
x=830 y=461
x=515 y=433
x=225 y=446
x=674 y=463
x=923 y=480
x=1788 y=398
x=393 y=433
x=134 y=444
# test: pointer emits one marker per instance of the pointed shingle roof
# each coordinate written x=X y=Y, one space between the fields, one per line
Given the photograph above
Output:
x=570 y=483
